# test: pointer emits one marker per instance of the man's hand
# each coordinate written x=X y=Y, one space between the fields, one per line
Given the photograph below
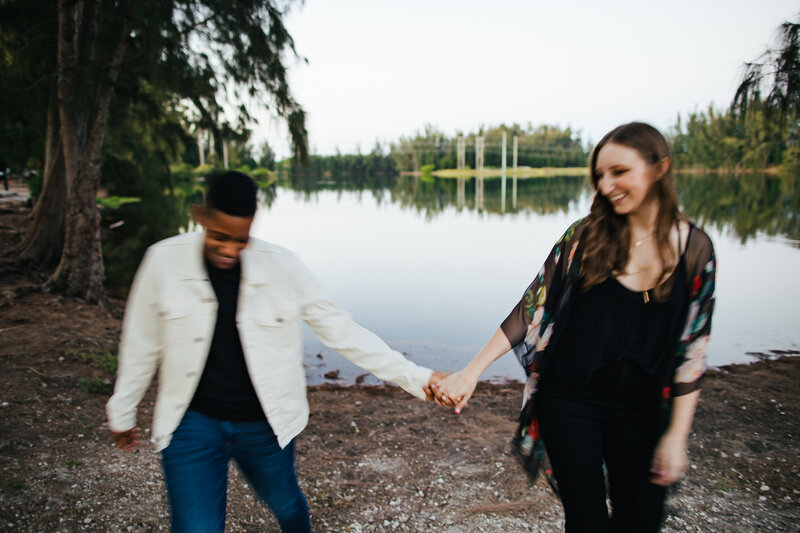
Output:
x=430 y=388
x=126 y=440
x=455 y=390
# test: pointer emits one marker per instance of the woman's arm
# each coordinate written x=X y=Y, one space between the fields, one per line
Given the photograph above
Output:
x=670 y=457
x=456 y=389
x=523 y=329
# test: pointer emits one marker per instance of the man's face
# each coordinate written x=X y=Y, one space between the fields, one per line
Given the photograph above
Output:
x=226 y=236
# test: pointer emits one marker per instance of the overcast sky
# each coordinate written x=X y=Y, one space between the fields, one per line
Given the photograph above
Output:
x=381 y=69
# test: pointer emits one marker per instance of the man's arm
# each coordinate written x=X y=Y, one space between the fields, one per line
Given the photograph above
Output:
x=139 y=351
x=336 y=328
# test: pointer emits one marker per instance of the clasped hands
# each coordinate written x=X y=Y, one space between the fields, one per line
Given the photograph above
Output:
x=452 y=391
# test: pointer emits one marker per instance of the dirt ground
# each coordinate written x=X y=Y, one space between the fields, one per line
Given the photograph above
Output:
x=372 y=458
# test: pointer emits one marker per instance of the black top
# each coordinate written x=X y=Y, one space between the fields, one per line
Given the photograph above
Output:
x=225 y=391
x=615 y=338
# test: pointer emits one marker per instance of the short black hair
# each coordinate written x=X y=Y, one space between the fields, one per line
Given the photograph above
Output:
x=232 y=193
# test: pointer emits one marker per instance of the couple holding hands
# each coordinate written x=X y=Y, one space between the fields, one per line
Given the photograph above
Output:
x=611 y=332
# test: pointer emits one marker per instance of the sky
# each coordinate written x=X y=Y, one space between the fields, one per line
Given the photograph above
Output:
x=377 y=70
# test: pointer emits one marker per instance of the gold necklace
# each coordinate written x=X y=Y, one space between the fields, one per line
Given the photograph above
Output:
x=640 y=241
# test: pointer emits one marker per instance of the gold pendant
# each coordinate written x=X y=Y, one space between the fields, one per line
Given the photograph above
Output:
x=646 y=296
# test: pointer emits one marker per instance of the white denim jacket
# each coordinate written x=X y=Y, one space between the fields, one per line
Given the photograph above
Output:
x=169 y=322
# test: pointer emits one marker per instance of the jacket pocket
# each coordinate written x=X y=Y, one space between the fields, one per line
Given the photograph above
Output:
x=275 y=328
x=175 y=319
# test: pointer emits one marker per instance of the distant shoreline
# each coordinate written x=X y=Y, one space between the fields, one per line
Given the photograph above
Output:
x=549 y=172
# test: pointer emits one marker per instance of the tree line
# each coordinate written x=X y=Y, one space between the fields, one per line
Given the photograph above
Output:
x=538 y=146
x=761 y=127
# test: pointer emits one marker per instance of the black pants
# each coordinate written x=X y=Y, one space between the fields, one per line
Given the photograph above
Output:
x=580 y=433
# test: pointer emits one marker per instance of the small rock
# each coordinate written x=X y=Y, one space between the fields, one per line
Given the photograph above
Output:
x=764 y=488
x=52 y=502
x=333 y=374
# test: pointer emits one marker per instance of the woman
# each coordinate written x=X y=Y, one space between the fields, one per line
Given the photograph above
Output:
x=612 y=334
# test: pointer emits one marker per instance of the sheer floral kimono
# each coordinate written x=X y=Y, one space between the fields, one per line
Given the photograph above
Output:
x=534 y=325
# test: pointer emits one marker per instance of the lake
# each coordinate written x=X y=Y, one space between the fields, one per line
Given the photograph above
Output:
x=433 y=265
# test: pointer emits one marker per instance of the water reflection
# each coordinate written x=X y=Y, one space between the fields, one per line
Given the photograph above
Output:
x=745 y=203
x=431 y=197
x=433 y=264
x=131 y=228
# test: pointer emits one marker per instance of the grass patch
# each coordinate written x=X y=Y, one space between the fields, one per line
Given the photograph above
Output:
x=93 y=386
x=115 y=202
x=105 y=360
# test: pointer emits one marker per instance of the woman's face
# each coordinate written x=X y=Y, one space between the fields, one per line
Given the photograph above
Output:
x=624 y=177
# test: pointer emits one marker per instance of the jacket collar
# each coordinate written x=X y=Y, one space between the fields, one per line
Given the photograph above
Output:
x=254 y=272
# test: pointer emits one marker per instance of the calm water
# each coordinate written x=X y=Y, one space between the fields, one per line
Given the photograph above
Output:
x=420 y=264
x=433 y=265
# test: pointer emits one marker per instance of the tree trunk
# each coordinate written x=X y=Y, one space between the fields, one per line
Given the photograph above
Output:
x=80 y=272
x=44 y=238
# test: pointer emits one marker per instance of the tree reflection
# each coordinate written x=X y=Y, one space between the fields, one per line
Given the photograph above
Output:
x=747 y=203
x=131 y=228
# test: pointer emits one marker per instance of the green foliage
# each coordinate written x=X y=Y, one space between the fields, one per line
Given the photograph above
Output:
x=719 y=140
x=777 y=73
x=541 y=146
x=721 y=485
x=115 y=202
x=261 y=174
x=34 y=184
x=159 y=215
x=105 y=360
x=758 y=131
x=427 y=169
x=27 y=83
x=373 y=167
x=182 y=173
x=93 y=386
x=749 y=203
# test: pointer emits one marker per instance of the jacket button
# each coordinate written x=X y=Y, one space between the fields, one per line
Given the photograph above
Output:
x=198 y=339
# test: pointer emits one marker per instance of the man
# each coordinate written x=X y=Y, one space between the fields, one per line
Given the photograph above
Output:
x=218 y=315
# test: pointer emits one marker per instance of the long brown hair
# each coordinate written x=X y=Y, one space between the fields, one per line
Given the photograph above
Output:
x=607 y=238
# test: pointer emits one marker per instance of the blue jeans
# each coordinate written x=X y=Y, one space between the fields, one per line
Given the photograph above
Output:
x=196 y=472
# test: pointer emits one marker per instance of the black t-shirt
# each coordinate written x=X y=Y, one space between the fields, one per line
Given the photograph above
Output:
x=225 y=391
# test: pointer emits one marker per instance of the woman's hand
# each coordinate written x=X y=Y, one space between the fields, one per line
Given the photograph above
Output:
x=670 y=460
x=456 y=389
